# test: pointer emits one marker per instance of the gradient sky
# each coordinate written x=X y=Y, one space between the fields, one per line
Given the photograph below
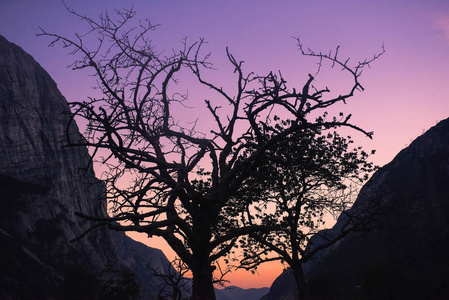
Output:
x=406 y=90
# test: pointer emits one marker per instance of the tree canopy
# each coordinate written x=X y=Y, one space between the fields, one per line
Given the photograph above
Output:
x=311 y=175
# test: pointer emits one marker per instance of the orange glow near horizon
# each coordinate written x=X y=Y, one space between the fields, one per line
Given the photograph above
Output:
x=264 y=277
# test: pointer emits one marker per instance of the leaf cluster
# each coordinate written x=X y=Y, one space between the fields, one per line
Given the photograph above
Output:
x=305 y=178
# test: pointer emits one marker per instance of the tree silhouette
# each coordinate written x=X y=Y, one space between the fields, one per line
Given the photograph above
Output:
x=175 y=283
x=307 y=177
x=164 y=176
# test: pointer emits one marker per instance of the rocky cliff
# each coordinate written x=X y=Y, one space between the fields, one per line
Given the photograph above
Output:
x=42 y=184
x=406 y=256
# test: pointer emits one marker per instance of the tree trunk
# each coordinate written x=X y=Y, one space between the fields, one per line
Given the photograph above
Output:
x=303 y=293
x=202 y=287
x=202 y=271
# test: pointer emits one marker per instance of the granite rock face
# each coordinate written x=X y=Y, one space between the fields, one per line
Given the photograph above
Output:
x=407 y=256
x=42 y=184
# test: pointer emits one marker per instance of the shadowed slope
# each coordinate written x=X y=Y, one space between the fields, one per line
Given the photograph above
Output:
x=407 y=257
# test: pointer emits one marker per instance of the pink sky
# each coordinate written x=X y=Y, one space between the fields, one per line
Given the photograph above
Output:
x=406 y=90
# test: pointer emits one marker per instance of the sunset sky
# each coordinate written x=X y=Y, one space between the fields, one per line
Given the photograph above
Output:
x=406 y=90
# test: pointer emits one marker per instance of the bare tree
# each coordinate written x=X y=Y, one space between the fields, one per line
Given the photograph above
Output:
x=175 y=284
x=185 y=183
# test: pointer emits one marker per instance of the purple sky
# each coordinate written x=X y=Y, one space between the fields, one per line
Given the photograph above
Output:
x=406 y=89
